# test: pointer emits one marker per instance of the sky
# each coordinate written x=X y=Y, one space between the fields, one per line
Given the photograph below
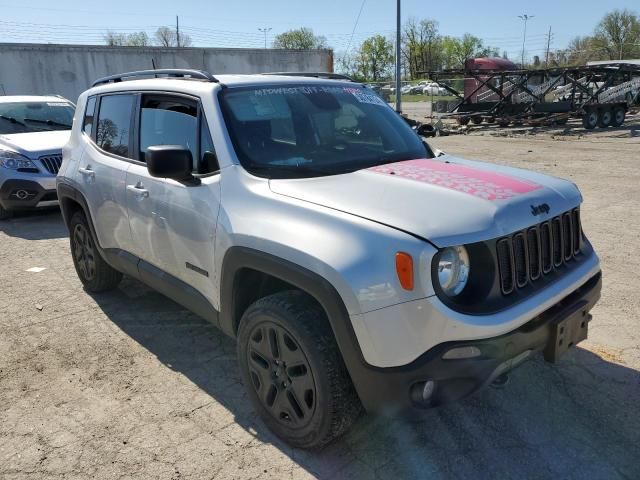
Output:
x=235 y=23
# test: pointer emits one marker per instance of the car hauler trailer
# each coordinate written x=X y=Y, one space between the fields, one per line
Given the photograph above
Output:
x=599 y=94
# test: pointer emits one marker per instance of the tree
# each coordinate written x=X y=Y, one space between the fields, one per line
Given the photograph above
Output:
x=618 y=34
x=300 y=39
x=166 y=37
x=421 y=46
x=375 y=58
x=458 y=50
x=136 y=39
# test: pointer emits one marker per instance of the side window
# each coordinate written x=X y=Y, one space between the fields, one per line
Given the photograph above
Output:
x=208 y=161
x=114 y=124
x=87 y=123
x=167 y=120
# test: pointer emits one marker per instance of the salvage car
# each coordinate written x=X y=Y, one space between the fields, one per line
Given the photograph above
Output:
x=355 y=267
x=33 y=130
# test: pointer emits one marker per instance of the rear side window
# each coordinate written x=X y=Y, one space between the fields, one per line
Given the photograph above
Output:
x=87 y=123
x=114 y=124
x=167 y=120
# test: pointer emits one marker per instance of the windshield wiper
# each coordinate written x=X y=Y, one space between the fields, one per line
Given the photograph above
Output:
x=12 y=120
x=47 y=122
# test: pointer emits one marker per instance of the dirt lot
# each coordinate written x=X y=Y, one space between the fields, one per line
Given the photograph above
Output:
x=129 y=385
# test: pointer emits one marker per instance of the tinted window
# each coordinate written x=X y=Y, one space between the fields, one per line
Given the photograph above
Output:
x=114 y=124
x=25 y=117
x=208 y=161
x=168 y=121
x=310 y=130
x=87 y=123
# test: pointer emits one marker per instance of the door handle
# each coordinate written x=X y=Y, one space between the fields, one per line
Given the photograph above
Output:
x=138 y=190
x=87 y=172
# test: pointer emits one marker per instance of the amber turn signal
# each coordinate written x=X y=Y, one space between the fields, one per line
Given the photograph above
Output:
x=404 y=269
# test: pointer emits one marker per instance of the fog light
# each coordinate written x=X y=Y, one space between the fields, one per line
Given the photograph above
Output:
x=459 y=353
x=422 y=392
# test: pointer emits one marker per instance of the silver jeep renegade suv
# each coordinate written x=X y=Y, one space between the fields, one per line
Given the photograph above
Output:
x=33 y=130
x=356 y=269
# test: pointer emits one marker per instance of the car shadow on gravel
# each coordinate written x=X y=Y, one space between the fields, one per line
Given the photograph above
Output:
x=44 y=224
x=577 y=419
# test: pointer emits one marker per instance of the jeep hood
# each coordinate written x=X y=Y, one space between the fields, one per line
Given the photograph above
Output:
x=447 y=200
x=35 y=142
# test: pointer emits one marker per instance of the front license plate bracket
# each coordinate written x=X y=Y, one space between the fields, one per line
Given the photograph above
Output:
x=566 y=332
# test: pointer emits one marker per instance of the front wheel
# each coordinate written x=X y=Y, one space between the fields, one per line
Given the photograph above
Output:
x=293 y=371
x=590 y=120
x=94 y=273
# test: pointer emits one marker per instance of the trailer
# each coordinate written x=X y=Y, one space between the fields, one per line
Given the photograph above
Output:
x=601 y=95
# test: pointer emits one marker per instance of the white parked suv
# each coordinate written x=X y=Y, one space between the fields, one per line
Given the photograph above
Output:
x=304 y=218
x=33 y=130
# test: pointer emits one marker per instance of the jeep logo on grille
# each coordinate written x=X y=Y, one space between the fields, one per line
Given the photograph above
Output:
x=538 y=209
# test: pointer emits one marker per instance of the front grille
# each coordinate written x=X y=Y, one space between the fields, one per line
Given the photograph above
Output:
x=51 y=163
x=531 y=254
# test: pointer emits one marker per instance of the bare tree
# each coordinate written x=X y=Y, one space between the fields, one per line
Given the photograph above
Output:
x=136 y=39
x=166 y=37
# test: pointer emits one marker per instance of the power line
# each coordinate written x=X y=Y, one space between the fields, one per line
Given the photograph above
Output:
x=355 y=25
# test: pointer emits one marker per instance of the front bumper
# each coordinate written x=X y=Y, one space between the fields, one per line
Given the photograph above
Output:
x=389 y=389
x=26 y=194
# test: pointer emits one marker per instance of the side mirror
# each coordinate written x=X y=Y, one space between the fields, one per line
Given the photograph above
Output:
x=170 y=161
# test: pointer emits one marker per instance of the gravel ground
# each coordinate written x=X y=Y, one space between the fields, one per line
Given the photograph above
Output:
x=129 y=385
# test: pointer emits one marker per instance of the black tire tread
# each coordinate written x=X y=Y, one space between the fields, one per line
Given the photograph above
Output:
x=106 y=277
x=344 y=405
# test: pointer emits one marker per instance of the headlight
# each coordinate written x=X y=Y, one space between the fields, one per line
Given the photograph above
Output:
x=14 y=161
x=453 y=270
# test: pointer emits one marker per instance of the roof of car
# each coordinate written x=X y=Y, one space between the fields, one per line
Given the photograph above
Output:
x=199 y=86
x=31 y=98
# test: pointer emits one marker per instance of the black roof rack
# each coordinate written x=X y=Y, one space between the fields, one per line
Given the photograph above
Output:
x=327 y=75
x=169 y=72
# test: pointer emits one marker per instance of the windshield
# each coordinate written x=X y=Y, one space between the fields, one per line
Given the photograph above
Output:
x=25 y=117
x=313 y=130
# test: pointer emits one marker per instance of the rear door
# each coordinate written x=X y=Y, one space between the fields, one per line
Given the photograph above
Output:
x=103 y=167
x=173 y=223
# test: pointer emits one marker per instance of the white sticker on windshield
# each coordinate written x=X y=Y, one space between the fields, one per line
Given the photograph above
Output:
x=364 y=97
x=57 y=104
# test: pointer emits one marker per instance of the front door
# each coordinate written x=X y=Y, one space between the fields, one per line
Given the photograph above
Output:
x=172 y=223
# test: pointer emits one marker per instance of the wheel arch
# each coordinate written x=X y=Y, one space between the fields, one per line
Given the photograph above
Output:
x=238 y=260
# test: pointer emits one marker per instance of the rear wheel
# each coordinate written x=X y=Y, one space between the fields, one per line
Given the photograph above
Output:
x=604 y=118
x=590 y=119
x=293 y=370
x=618 y=116
x=463 y=120
x=94 y=273
x=476 y=120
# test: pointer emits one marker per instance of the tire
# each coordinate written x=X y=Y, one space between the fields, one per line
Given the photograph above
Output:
x=590 y=119
x=618 y=116
x=5 y=214
x=476 y=120
x=604 y=118
x=94 y=273
x=313 y=402
x=463 y=120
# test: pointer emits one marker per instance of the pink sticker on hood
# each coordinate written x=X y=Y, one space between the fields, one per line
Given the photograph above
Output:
x=481 y=183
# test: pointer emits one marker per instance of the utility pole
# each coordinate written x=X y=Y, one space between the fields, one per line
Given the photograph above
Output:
x=398 y=60
x=177 y=32
x=265 y=31
x=549 y=36
x=525 y=18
